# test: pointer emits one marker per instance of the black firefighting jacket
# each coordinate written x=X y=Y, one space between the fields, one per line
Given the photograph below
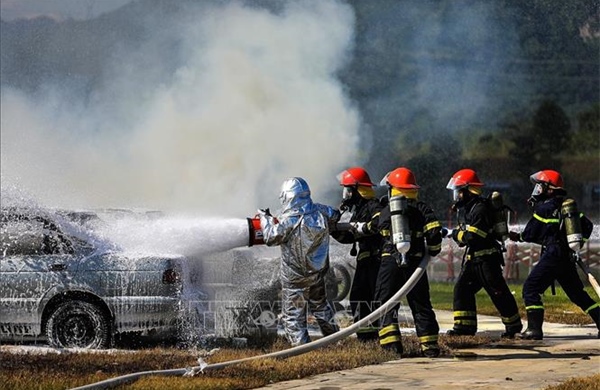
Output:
x=476 y=229
x=369 y=244
x=425 y=229
x=545 y=228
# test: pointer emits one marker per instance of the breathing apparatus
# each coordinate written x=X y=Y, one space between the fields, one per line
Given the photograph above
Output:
x=543 y=181
x=349 y=198
x=357 y=184
x=400 y=226
x=464 y=184
x=499 y=217
x=538 y=194
x=572 y=222
x=402 y=185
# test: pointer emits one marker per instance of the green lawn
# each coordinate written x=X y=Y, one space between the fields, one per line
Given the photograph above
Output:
x=558 y=308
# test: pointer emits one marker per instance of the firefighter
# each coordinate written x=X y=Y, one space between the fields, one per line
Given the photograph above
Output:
x=302 y=232
x=421 y=232
x=547 y=228
x=358 y=196
x=482 y=259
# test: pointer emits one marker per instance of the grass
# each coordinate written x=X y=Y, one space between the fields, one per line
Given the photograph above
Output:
x=558 y=308
x=60 y=371
x=66 y=370
x=584 y=383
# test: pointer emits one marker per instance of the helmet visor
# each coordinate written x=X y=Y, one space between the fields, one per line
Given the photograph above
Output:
x=456 y=195
x=384 y=181
x=454 y=184
x=346 y=193
x=340 y=176
x=538 y=189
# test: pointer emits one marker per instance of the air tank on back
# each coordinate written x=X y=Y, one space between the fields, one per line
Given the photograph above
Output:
x=572 y=223
x=400 y=226
x=500 y=217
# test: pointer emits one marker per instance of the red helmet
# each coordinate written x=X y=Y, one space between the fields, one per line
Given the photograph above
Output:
x=464 y=178
x=355 y=176
x=402 y=178
x=548 y=176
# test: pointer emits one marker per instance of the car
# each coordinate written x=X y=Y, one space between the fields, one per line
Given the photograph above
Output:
x=60 y=283
x=239 y=291
x=55 y=260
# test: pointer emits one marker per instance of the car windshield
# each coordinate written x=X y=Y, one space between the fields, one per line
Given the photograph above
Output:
x=26 y=231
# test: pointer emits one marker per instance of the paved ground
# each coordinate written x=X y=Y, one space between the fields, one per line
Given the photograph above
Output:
x=566 y=351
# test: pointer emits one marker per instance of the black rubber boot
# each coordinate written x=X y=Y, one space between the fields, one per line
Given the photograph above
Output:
x=367 y=337
x=430 y=350
x=394 y=347
x=535 y=319
x=460 y=332
x=511 y=331
x=595 y=314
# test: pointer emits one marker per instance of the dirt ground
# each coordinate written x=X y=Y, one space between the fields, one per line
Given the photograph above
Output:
x=566 y=352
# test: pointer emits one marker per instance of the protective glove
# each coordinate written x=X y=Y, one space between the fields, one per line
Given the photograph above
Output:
x=344 y=206
x=455 y=234
x=266 y=211
x=514 y=236
x=358 y=229
x=264 y=215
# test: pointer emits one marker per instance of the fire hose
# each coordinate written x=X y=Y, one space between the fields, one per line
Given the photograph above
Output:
x=588 y=273
x=294 y=351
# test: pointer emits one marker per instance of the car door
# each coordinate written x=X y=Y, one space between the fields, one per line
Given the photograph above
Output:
x=35 y=260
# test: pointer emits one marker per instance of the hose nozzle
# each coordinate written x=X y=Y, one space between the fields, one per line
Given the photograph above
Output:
x=255 y=234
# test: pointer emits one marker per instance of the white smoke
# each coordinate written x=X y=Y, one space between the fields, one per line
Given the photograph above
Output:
x=255 y=99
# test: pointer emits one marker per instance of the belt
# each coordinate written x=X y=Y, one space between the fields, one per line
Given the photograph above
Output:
x=483 y=252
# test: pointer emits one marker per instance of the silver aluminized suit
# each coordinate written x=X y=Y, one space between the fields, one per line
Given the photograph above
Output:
x=302 y=232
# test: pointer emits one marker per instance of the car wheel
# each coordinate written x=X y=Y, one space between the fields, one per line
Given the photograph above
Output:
x=78 y=324
x=340 y=283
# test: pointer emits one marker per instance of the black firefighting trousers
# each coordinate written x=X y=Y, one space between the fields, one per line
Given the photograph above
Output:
x=391 y=278
x=564 y=271
x=362 y=295
x=486 y=273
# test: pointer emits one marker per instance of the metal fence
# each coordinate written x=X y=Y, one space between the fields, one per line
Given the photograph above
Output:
x=519 y=259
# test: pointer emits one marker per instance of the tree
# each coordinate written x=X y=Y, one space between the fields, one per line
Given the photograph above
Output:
x=540 y=143
x=552 y=130
x=434 y=166
x=586 y=141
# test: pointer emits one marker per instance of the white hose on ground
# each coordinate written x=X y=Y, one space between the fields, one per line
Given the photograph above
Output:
x=298 y=350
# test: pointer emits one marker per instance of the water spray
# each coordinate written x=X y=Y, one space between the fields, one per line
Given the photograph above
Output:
x=295 y=351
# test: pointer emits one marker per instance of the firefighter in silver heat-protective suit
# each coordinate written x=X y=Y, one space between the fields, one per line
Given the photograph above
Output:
x=302 y=232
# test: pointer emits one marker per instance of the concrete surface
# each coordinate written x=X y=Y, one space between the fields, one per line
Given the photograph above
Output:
x=566 y=352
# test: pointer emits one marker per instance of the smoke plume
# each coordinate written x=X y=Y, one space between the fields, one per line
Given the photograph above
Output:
x=247 y=98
